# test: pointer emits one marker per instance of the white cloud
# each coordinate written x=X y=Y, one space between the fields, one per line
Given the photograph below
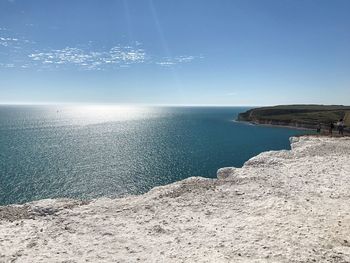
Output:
x=83 y=57
x=167 y=61
x=184 y=59
x=7 y=65
x=12 y=42
x=8 y=41
x=90 y=60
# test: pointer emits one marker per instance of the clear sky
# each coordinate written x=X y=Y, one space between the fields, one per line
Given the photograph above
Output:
x=202 y=52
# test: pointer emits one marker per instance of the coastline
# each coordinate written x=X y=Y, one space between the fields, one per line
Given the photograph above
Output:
x=303 y=116
x=276 y=125
x=324 y=131
x=281 y=206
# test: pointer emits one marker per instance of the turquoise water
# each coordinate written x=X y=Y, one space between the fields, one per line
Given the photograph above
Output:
x=92 y=151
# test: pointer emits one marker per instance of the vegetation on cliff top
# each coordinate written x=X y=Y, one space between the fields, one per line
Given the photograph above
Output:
x=301 y=114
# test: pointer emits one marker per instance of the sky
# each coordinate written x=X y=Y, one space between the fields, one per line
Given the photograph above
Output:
x=183 y=52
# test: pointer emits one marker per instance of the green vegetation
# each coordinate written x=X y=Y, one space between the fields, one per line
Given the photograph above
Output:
x=347 y=118
x=308 y=116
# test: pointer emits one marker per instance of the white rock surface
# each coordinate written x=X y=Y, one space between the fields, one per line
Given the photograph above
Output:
x=282 y=206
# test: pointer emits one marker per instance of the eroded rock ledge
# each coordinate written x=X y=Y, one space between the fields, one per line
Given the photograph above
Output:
x=281 y=206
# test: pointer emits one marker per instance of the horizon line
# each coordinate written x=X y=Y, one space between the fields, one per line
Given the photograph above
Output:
x=150 y=104
x=121 y=104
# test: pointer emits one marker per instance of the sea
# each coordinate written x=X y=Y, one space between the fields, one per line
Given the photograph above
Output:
x=90 y=151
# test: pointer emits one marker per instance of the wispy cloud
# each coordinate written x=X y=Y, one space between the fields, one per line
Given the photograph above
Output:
x=165 y=63
x=7 y=65
x=99 y=60
x=83 y=57
x=168 y=61
x=90 y=60
x=8 y=41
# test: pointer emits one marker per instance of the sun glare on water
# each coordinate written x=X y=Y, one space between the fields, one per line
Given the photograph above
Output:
x=89 y=114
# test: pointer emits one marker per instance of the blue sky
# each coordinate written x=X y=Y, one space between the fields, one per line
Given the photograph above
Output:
x=183 y=52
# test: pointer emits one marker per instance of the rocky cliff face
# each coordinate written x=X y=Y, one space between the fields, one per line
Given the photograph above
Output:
x=281 y=206
x=287 y=124
x=250 y=117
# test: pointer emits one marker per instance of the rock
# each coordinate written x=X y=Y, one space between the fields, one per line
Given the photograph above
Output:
x=226 y=172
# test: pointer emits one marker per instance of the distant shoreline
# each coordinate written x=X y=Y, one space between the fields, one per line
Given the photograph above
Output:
x=324 y=131
x=274 y=125
x=301 y=117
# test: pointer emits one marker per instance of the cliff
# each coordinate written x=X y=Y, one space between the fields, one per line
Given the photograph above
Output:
x=281 y=206
x=301 y=116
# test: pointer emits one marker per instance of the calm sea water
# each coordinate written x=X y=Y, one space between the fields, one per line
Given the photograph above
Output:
x=92 y=151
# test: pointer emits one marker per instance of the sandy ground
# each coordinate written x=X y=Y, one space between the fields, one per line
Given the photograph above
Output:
x=282 y=206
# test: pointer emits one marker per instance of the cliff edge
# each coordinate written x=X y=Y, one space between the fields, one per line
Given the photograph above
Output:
x=281 y=206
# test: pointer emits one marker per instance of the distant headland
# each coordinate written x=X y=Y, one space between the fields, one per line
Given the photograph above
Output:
x=298 y=116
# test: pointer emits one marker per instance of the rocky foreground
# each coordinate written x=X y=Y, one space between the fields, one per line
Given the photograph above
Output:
x=282 y=206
